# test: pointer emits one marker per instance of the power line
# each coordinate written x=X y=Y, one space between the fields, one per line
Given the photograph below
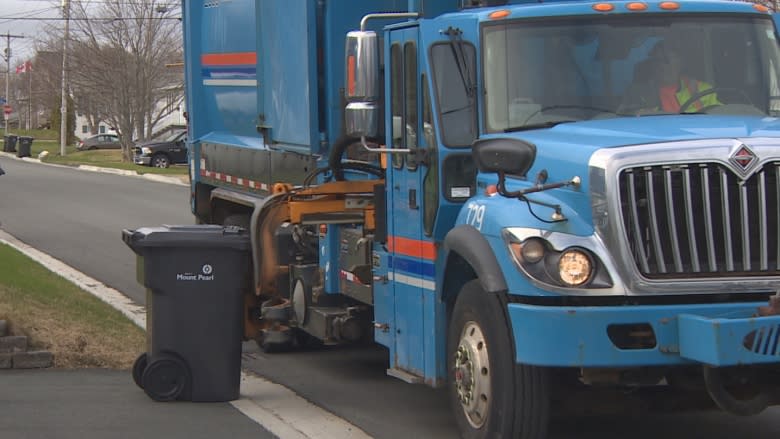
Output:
x=87 y=18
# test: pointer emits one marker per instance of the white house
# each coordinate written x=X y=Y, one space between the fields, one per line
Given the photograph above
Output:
x=174 y=120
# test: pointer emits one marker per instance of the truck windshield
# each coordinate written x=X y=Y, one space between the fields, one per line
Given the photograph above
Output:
x=542 y=72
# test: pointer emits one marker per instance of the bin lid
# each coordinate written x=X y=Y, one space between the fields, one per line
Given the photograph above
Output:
x=213 y=236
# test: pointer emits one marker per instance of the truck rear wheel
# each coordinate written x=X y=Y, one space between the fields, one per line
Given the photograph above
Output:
x=490 y=395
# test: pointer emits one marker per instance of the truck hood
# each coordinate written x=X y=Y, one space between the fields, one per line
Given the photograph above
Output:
x=152 y=144
x=568 y=146
x=564 y=151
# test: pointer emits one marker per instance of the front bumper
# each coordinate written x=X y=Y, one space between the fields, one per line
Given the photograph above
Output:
x=142 y=160
x=714 y=334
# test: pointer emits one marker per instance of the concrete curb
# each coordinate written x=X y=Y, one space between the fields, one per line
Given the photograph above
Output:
x=153 y=177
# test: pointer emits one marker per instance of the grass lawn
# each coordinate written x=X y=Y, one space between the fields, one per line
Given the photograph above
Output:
x=48 y=140
x=79 y=329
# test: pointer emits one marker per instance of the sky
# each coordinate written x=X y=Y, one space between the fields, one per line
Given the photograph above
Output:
x=15 y=18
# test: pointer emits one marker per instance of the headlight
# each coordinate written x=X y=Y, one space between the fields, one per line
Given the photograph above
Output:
x=570 y=267
x=146 y=151
x=575 y=267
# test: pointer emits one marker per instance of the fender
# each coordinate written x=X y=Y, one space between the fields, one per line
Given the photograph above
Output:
x=468 y=243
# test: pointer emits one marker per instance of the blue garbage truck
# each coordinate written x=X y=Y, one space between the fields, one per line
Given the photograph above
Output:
x=520 y=200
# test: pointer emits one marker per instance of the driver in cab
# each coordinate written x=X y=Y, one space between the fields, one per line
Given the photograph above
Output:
x=666 y=89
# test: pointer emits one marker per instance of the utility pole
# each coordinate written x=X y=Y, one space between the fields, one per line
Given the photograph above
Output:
x=8 y=71
x=64 y=102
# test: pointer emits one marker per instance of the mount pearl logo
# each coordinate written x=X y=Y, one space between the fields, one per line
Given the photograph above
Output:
x=206 y=274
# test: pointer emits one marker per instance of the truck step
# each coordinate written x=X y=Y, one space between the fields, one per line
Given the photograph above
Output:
x=405 y=376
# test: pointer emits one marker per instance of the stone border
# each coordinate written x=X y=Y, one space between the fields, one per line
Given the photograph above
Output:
x=14 y=353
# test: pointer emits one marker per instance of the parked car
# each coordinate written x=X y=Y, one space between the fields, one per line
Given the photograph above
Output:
x=162 y=153
x=100 y=141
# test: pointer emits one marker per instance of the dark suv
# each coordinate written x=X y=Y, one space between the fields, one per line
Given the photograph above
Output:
x=162 y=153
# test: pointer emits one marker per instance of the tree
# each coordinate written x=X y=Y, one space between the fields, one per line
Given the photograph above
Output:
x=117 y=57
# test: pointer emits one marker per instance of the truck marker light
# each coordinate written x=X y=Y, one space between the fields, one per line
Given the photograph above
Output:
x=603 y=7
x=574 y=267
x=760 y=8
x=636 y=6
x=499 y=14
x=669 y=6
x=491 y=190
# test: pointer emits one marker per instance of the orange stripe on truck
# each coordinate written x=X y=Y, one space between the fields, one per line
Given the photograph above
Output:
x=228 y=59
x=412 y=247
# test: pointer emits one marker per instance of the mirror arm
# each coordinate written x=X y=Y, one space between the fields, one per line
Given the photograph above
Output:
x=575 y=181
x=386 y=15
x=368 y=148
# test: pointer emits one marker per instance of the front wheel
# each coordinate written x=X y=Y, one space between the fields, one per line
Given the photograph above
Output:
x=490 y=395
x=160 y=161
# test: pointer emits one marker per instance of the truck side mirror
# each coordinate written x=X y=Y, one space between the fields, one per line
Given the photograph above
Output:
x=362 y=84
x=503 y=155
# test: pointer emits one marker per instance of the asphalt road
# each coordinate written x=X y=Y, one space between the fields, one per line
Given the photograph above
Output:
x=105 y=404
x=77 y=217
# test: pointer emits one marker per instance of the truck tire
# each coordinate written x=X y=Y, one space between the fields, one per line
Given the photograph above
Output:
x=489 y=394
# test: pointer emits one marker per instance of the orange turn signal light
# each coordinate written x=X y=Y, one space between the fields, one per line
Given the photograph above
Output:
x=491 y=190
x=669 y=6
x=603 y=7
x=760 y=8
x=497 y=15
x=636 y=6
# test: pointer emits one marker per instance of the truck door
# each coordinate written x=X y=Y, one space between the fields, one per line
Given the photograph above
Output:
x=411 y=253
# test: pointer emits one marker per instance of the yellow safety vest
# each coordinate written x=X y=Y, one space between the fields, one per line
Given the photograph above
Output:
x=689 y=87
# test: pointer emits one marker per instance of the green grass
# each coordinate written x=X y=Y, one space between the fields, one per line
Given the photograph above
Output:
x=108 y=158
x=78 y=328
x=112 y=158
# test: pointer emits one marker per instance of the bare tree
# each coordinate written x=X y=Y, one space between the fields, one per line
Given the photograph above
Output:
x=117 y=60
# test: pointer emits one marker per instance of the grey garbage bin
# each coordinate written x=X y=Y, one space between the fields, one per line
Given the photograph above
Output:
x=195 y=277
x=25 y=146
x=9 y=142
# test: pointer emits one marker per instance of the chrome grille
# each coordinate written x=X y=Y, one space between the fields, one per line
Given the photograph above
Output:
x=701 y=220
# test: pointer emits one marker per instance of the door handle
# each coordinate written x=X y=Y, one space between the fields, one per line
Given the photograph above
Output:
x=413 y=199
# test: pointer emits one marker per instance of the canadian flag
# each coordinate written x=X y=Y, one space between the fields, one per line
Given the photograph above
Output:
x=25 y=67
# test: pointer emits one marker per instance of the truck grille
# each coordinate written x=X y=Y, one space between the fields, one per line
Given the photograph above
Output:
x=701 y=220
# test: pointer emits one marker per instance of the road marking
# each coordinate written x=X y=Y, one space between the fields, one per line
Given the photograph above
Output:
x=275 y=407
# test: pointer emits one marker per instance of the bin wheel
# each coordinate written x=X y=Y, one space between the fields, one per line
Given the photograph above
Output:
x=138 y=369
x=165 y=378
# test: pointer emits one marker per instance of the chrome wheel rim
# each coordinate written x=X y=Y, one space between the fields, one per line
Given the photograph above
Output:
x=471 y=365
